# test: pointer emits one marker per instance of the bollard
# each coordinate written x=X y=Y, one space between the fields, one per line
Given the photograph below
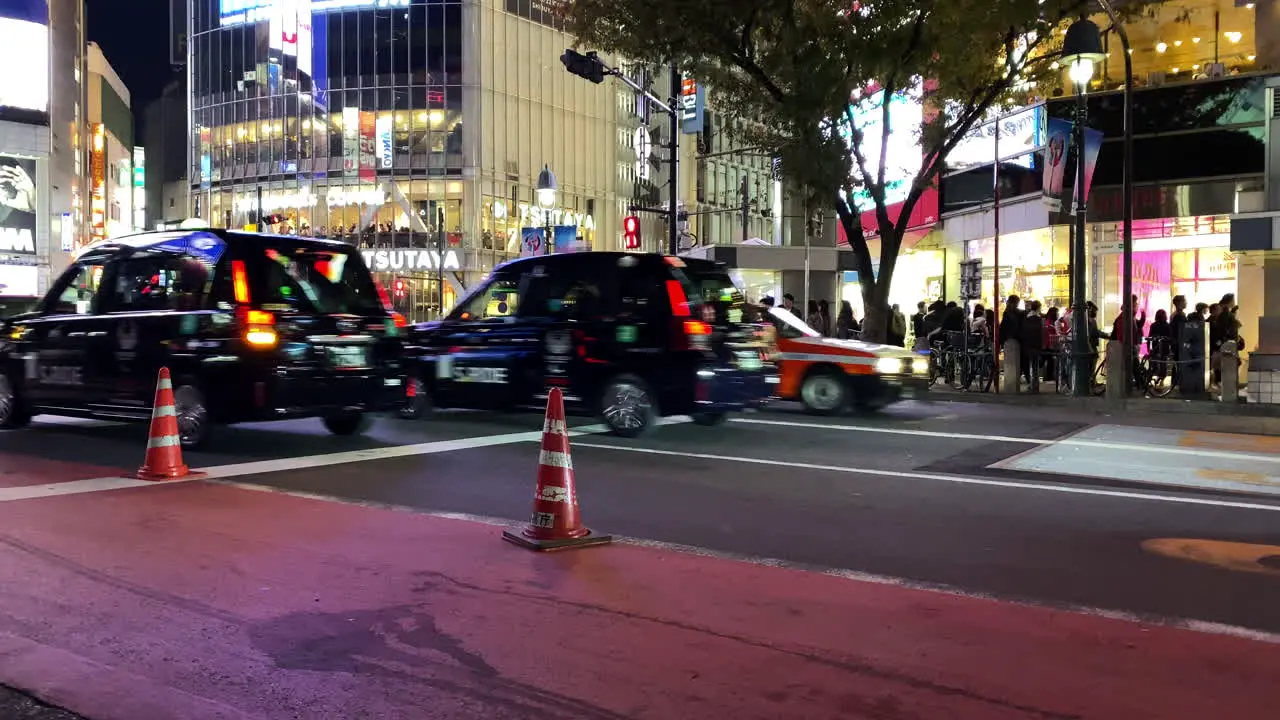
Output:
x=1230 y=384
x=1116 y=391
x=1010 y=367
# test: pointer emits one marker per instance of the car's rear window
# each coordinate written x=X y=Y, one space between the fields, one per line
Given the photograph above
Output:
x=310 y=279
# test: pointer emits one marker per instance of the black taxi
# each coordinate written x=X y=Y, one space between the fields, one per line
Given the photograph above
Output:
x=252 y=327
x=625 y=336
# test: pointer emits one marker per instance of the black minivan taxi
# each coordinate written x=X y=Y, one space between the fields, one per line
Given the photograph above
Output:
x=252 y=327
x=625 y=336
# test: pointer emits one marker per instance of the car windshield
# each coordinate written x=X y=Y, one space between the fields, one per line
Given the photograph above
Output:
x=791 y=326
x=311 y=279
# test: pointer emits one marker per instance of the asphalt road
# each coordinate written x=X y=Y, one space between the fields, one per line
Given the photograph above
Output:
x=912 y=494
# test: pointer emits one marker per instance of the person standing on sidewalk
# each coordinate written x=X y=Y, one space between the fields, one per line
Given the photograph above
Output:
x=1032 y=341
x=1177 y=322
x=1010 y=326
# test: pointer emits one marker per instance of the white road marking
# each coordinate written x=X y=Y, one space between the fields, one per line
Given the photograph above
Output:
x=1199 y=626
x=74 y=487
x=1164 y=449
x=959 y=479
x=258 y=467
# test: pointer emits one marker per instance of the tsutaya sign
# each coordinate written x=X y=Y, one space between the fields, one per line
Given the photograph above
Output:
x=409 y=260
x=534 y=216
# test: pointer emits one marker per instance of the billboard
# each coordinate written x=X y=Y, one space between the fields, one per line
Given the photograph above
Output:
x=1021 y=134
x=385 y=146
x=350 y=141
x=17 y=206
x=368 y=156
x=98 y=183
x=19 y=280
x=24 y=43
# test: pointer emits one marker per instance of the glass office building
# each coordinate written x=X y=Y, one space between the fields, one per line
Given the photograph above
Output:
x=412 y=128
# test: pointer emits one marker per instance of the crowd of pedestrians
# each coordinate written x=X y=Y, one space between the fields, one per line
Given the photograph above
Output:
x=1041 y=334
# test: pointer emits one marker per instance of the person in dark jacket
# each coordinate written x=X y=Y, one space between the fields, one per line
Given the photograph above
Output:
x=917 y=321
x=1010 y=325
x=1177 y=322
x=1031 y=340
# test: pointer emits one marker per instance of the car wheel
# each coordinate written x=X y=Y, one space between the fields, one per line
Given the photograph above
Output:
x=347 y=423
x=825 y=392
x=710 y=419
x=627 y=407
x=417 y=399
x=192 y=412
x=13 y=412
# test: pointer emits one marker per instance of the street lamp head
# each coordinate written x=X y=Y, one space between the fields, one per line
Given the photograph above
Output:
x=1081 y=50
x=546 y=188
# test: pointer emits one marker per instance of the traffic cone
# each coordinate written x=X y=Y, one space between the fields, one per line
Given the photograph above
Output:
x=164 y=447
x=556 y=523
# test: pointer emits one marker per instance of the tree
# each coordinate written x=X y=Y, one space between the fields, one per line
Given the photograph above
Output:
x=812 y=77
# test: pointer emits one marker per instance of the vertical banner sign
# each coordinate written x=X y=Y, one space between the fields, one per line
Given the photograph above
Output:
x=139 y=188
x=17 y=206
x=533 y=241
x=1057 y=140
x=383 y=126
x=692 y=106
x=319 y=63
x=567 y=240
x=368 y=156
x=1092 y=147
x=98 y=180
x=351 y=141
x=971 y=279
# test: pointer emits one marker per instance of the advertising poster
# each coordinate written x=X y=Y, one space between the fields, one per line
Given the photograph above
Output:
x=319 y=63
x=351 y=141
x=1092 y=147
x=24 y=43
x=533 y=241
x=567 y=240
x=19 y=280
x=17 y=206
x=368 y=154
x=385 y=147
x=1057 y=140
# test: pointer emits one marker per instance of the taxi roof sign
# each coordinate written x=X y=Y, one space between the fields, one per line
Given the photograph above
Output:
x=203 y=246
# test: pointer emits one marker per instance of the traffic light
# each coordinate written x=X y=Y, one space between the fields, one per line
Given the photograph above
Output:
x=631 y=232
x=584 y=66
x=398 y=288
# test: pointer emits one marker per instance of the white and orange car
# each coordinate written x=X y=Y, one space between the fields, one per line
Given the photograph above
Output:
x=829 y=376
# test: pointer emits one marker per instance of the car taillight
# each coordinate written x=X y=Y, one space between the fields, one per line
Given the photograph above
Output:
x=690 y=335
x=239 y=282
x=258 y=328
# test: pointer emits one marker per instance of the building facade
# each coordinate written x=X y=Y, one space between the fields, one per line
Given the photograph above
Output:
x=113 y=157
x=42 y=143
x=164 y=139
x=401 y=126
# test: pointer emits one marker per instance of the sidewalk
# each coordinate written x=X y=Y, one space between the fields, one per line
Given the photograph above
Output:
x=212 y=601
x=1171 y=411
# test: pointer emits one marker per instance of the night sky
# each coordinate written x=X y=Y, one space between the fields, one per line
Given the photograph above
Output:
x=134 y=35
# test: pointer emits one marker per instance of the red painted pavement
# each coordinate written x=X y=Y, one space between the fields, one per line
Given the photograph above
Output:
x=204 y=601
x=17 y=470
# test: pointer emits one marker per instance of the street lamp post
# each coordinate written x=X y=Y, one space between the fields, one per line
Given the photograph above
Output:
x=1081 y=49
x=546 y=192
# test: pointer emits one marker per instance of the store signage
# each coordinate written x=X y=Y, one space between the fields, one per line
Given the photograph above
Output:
x=644 y=150
x=237 y=12
x=24 y=50
x=307 y=199
x=384 y=141
x=19 y=281
x=410 y=260
x=692 y=106
x=534 y=216
x=543 y=12
x=17 y=205
x=1021 y=134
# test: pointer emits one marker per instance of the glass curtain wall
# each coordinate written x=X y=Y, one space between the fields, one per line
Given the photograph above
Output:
x=339 y=123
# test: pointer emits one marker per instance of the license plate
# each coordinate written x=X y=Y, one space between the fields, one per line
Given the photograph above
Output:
x=348 y=357
x=750 y=361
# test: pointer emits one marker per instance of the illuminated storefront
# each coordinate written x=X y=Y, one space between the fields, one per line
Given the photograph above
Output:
x=354 y=120
x=918 y=275
x=1034 y=265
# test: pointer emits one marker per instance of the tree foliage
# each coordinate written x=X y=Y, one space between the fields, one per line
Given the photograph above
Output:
x=791 y=67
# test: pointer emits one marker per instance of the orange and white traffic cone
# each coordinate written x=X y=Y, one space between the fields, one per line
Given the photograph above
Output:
x=557 y=522
x=164 y=448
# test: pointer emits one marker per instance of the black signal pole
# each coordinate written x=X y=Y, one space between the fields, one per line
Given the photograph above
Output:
x=589 y=66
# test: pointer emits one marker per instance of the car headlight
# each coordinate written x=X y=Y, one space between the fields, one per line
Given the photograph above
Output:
x=920 y=366
x=889 y=366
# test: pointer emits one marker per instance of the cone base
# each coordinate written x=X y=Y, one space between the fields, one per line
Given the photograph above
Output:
x=588 y=540
x=178 y=473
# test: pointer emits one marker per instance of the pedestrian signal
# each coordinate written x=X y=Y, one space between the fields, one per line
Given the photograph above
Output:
x=631 y=232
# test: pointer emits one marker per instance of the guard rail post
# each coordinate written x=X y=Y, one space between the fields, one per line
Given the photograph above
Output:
x=1116 y=391
x=1011 y=368
x=1230 y=384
